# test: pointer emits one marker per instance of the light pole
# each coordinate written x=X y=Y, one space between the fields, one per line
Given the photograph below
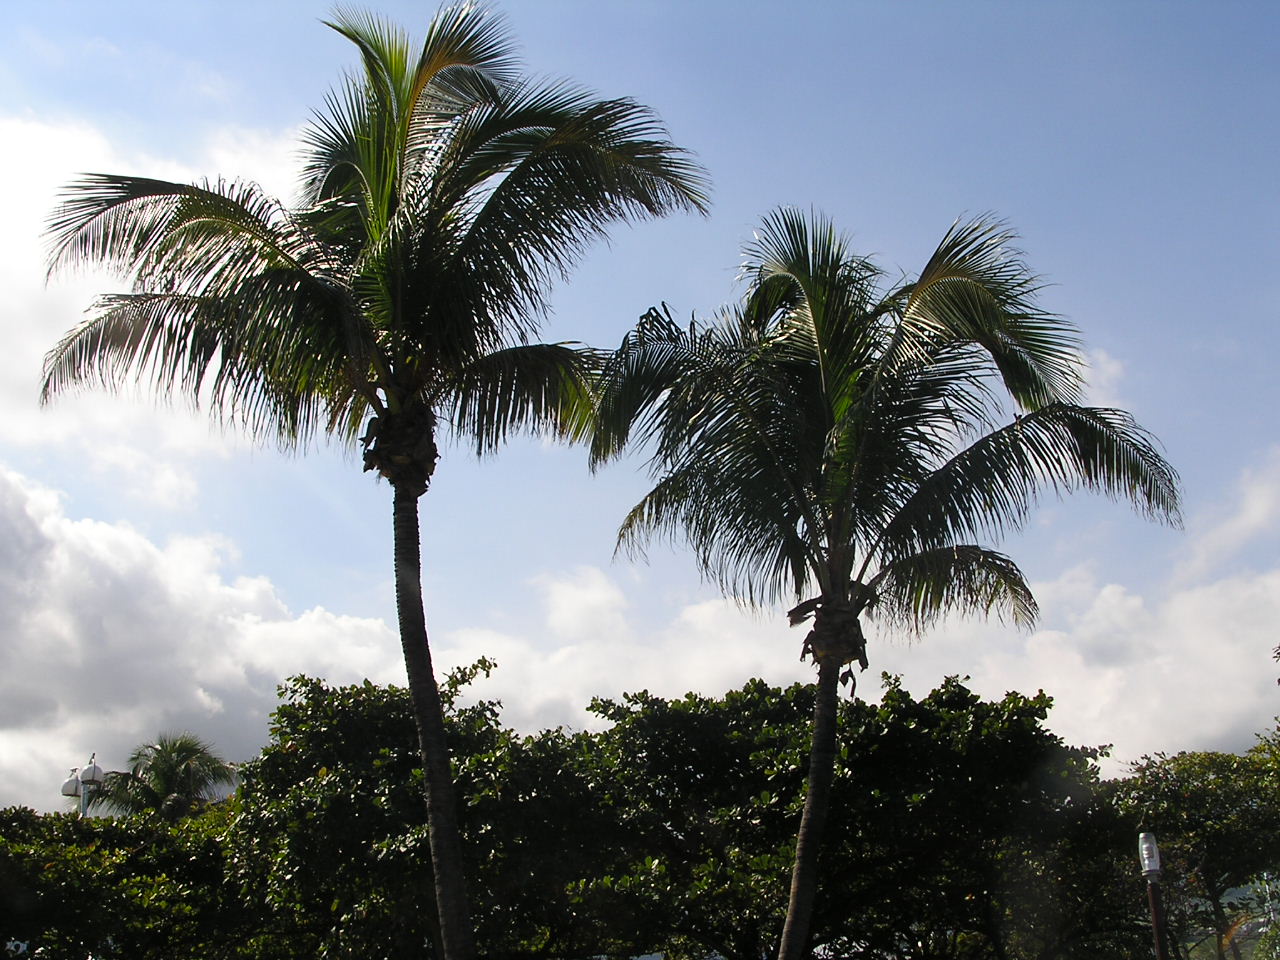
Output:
x=1149 y=857
x=82 y=782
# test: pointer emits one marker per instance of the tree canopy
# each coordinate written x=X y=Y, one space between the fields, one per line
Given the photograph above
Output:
x=961 y=828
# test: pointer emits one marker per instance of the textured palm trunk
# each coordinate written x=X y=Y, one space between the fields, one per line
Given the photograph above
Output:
x=817 y=801
x=442 y=821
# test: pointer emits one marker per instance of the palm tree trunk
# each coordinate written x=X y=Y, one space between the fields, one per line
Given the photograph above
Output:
x=822 y=761
x=442 y=821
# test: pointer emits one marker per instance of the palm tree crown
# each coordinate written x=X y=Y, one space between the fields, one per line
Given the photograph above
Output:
x=172 y=777
x=826 y=431
x=441 y=195
x=851 y=445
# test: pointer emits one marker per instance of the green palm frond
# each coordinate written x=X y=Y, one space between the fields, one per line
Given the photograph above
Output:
x=537 y=177
x=725 y=445
x=195 y=347
x=633 y=379
x=989 y=487
x=521 y=388
x=915 y=591
x=172 y=335
x=765 y=557
x=234 y=303
x=376 y=128
x=912 y=421
x=155 y=231
x=386 y=55
x=170 y=778
x=977 y=288
x=467 y=54
x=466 y=46
x=335 y=175
x=802 y=270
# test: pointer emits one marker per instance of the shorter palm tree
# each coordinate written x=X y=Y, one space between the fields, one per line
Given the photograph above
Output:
x=173 y=777
x=854 y=447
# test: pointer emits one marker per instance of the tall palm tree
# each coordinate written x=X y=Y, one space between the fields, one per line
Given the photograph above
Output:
x=441 y=195
x=172 y=777
x=850 y=445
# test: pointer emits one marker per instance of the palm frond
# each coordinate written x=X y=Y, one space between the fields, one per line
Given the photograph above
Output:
x=468 y=55
x=334 y=171
x=537 y=177
x=912 y=420
x=372 y=136
x=156 y=230
x=989 y=487
x=192 y=347
x=528 y=387
x=125 y=794
x=169 y=777
x=915 y=590
x=385 y=52
x=723 y=443
x=976 y=287
x=633 y=379
x=174 y=336
x=467 y=51
x=744 y=532
x=802 y=270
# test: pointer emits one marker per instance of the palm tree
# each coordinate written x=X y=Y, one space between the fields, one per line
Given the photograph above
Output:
x=172 y=777
x=850 y=446
x=441 y=195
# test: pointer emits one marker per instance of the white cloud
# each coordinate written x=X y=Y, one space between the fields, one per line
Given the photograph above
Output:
x=1191 y=670
x=111 y=638
x=584 y=605
x=166 y=485
x=592 y=644
x=1188 y=671
x=1105 y=375
x=267 y=158
x=1187 y=667
x=1255 y=513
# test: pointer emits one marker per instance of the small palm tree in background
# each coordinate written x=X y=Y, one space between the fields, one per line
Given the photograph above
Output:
x=849 y=446
x=173 y=777
x=441 y=196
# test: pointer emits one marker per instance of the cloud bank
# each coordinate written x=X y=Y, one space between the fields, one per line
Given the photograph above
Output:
x=110 y=638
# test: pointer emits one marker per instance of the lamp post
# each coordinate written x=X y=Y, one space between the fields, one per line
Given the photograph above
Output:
x=82 y=782
x=1149 y=857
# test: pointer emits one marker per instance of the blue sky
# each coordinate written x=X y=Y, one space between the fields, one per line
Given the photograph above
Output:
x=157 y=575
